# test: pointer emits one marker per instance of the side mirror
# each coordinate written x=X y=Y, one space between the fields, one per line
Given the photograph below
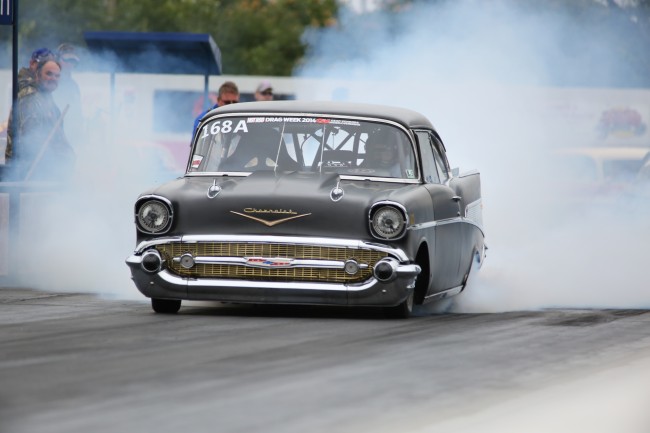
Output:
x=455 y=171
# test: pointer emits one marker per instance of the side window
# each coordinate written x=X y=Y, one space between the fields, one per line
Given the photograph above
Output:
x=441 y=161
x=429 y=170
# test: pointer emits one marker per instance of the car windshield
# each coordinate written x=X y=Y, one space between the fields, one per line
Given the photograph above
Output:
x=345 y=146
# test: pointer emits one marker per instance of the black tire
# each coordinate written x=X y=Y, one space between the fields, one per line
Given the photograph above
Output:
x=401 y=311
x=165 y=306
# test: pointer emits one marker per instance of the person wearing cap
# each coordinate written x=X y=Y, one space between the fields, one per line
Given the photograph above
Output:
x=27 y=85
x=40 y=146
x=264 y=91
x=68 y=94
x=26 y=76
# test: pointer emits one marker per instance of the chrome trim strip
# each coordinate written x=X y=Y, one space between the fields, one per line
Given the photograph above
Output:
x=170 y=278
x=295 y=263
x=429 y=224
x=398 y=253
x=280 y=285
x=201 y=260
x=447 y=221
x=379 y=179
x=154 y=197
x=445 y=293
x=222 y=174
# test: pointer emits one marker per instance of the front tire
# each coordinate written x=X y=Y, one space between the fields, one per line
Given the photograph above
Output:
x=401 y=311
x=165 y=306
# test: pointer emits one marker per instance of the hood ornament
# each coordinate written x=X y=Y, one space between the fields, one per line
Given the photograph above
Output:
x=337 y=192
x=214 y=190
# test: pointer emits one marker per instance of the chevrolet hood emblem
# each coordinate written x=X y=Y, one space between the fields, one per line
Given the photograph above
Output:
x=270 y=223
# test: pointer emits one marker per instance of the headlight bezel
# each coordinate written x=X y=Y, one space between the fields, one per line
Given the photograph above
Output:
x=380 y=214
x=163 y=205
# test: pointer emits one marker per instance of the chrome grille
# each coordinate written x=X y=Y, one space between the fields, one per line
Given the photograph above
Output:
x=291 y=251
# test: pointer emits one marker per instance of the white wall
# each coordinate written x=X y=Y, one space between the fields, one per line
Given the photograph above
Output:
x=570 y=115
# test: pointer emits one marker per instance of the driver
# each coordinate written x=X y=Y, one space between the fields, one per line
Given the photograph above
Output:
x=382 y=155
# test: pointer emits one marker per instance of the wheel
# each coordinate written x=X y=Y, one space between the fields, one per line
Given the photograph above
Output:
x=401 y=311
x=165 y=306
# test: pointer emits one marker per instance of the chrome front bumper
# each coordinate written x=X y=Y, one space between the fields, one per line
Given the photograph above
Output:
x=387 y=286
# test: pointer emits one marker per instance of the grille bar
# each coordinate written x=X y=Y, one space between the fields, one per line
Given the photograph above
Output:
x=307 y=262
x=247 y=261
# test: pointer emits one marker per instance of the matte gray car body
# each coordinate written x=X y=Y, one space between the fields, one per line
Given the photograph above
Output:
x=329 y=228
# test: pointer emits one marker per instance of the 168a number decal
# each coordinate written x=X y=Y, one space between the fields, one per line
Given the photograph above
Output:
x=224 y=127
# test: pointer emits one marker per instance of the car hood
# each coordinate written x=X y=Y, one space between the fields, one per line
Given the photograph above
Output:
x=291 y=204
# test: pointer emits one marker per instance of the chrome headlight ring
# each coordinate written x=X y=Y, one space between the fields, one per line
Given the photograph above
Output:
x=153 y=214
x=387 y=220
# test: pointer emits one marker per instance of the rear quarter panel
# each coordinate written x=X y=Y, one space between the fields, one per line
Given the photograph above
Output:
x=468 y=187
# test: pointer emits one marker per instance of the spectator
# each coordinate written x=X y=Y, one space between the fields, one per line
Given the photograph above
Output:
x=68 y=94
x=40 y=144
x=27 y=76
x=26 y=86
x=228 y=94
x=264 y=91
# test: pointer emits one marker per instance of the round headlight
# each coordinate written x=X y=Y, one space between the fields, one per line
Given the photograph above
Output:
x=153 y=216
x=388 y=222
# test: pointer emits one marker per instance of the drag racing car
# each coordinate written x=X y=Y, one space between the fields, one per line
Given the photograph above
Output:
x=316 y=203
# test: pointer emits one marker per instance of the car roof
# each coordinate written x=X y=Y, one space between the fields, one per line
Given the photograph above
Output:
x=406 y=117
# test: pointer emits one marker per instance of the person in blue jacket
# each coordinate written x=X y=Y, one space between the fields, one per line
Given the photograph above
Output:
x=228 y=94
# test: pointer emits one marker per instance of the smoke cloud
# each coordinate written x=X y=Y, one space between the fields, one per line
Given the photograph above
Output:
x=75 y=238
x=505 y=87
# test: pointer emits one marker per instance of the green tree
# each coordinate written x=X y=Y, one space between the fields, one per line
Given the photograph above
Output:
x=257 y=37
x=264 y=37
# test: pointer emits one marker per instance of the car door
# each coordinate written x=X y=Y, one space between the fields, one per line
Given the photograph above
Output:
x=445 y=247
